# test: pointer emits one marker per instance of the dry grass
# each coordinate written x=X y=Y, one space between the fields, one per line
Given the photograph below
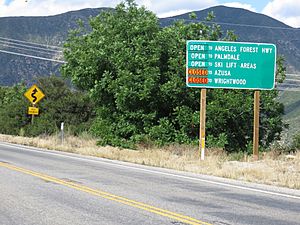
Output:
x=271 y=169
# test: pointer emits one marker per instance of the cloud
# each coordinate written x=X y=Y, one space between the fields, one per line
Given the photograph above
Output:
x=49 y=7
x=173 y=13
x=52 y=7
x=165 y=8
x=240 y=5
x=287 y=11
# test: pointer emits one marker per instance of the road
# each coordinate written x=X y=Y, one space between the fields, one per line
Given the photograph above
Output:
x=48 y=187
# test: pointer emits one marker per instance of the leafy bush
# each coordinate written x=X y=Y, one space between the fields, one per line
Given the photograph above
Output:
x=13 y=109
x=163 y=133
x=296 y=142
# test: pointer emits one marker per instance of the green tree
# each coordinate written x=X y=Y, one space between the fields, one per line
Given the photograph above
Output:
x=135 y=72
x=118 y=63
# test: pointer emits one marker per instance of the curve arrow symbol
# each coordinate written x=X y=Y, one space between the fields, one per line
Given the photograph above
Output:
x=33 y=95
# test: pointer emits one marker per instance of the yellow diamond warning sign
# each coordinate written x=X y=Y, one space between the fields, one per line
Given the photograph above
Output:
x=34 y=94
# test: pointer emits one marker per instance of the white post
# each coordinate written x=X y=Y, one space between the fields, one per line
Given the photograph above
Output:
x=62 y=132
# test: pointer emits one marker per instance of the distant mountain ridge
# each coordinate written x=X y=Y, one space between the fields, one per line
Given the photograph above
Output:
x=45 y=29
x=254 y=27
x=226 y=14
x=53 y=30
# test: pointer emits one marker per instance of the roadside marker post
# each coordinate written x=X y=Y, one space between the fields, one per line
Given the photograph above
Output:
x=62 y=132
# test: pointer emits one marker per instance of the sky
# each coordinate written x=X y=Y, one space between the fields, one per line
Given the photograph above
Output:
x=287 y=11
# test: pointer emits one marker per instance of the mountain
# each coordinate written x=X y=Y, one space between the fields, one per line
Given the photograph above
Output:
x=53 y=30
x=48 y=30
x=44 y=29
x=254 y=27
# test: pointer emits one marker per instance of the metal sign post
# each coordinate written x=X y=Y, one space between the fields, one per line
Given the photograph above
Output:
x=32 y=117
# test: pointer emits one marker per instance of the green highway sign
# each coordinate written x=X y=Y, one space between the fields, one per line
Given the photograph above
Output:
x=236 y=65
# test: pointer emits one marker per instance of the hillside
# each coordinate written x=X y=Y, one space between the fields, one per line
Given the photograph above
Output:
x=44 y=29
x=291 y=101
x=53 y=30
x=49 y=30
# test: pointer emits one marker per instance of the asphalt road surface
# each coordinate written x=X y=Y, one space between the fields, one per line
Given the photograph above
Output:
x=52 y=188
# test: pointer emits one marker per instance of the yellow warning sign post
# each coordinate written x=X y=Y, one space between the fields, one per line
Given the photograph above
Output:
x=34 y=95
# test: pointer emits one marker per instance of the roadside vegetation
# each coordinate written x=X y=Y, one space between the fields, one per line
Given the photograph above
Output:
x=273 y=168
x=128 y=91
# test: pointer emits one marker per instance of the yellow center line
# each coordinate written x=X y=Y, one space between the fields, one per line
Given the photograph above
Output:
x=109 y=196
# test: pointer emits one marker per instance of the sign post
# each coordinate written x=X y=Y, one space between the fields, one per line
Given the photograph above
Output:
x=202 y=123
x=256 y=125
x=33 y=111
x=230 y=65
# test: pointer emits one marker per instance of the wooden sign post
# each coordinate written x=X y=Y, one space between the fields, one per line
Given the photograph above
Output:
x=256 y=125
x=202 y=123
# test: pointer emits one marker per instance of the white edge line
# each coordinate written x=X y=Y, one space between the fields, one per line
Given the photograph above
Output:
x=100 y=160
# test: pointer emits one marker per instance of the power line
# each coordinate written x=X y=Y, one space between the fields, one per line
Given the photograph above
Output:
x=292 y=75
x=32 y=56
x=29 y=46
x=27 y=49
x=289 y=85
x=32 y=43
x=295 y=80
x=288 y=89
